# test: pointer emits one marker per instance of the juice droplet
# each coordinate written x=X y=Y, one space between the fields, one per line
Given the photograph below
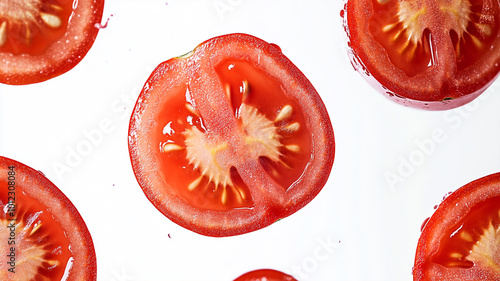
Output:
x=102 y=26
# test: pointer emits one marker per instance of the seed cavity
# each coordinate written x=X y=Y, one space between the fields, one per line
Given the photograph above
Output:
x=485 y=252
x=27 y=19
x=34 y=249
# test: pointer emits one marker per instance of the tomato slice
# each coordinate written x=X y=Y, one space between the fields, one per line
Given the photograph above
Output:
x=41 y=39
x=43 y=237
x=461 y=239
x=265 y=275
x=430 y=54
x=230 y=137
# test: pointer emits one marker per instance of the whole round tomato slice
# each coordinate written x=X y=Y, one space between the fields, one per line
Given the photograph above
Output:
x=230 y=137
x=41 y=39
x=265 y=275
x=461 y=241
x=431 y=54
x=43 y=237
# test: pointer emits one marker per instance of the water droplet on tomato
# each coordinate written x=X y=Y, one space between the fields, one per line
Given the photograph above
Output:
x=446 y=195
x=424 y=223
x=275 y=46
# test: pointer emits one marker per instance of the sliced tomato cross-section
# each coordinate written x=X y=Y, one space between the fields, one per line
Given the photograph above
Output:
x=430 y=54
x=461 y=241
x=265 y=275
x=41 y=39
x=43 y=237
x=230 y=137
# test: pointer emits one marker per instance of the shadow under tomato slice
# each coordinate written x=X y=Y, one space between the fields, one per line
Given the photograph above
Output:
x=41 y=39
x=43 y=235
x=265 y=275
x=431 y=54
x=461 y=241
x=230 y=137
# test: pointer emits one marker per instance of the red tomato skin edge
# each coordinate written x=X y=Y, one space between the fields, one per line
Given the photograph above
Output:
x=269 y=274
x=413 y=103
x=26 y=69
x=398 y=93
x=37 y=186
x=449 y=212
x=179 y=209
x=426 y=105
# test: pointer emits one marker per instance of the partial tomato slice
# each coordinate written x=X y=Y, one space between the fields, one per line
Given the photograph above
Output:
x=265 y=275
x=431 y=54
x=41 y=39
x=230 y=137
x=461 y=241
x=43 y=235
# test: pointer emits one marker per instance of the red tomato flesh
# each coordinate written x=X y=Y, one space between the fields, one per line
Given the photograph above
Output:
x=230 y=137
x=460 y=241
x=44 y=235
x=431 y=54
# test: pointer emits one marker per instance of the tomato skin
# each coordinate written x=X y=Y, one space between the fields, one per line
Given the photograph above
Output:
x=441 y=86
x=35 y=185
x=265 y=275
x=62 y=55
x=448 y=214
x=197 y=68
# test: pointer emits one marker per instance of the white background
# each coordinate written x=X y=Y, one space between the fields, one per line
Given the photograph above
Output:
x=361 y=226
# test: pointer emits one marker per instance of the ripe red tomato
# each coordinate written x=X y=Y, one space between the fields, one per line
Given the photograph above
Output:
x=42 y=234
x=41 y=39
x=265 y=275
x=230 y=137
x=461 y=239
x=431 y=54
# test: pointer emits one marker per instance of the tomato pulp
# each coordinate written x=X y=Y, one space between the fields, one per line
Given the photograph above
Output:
x=431 y=54
x=265 y=275
x=461 y=239
x=43 y=235
x=230 y=137
x=41 y=39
